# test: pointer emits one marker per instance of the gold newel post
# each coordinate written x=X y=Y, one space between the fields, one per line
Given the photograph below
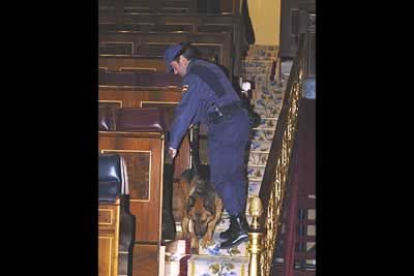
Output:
x=255 y=236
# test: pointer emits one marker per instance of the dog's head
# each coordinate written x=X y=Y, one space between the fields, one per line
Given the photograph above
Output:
x=201 y=209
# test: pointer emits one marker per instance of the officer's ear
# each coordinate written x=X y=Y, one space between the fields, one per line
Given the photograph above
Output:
x=183 y=60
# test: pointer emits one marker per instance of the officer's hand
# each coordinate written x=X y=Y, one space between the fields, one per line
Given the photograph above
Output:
x=172 y=152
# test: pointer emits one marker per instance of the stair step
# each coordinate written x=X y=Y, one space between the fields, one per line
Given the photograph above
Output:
x=255 y=179
x=255 y=173
x=275 y=93
x=175 y=252
x=262 y=135
x=255 y=151
x=257 y=159
x=256 y=78
x=265 y=47
x=264 y=70
x=214 y=249
x=257 y=146
x=268 y=104
x=266 y=57
x=256 y=63
x=267 y=123
x=251 y=165
x=217 y=265
x=269 y=111
x=263 y=89
x=254 y=188
x=259 y=55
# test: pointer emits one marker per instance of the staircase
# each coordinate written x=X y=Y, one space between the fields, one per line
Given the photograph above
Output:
x=259 y=68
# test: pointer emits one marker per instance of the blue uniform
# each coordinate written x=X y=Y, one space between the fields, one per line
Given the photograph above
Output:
x=210 y=94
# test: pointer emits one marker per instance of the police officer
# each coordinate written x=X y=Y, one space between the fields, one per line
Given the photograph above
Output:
x=210 y=99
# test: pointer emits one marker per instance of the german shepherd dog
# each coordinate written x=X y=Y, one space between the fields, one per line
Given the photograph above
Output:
x=203 y=210
x=203 y=206
x=181 y=191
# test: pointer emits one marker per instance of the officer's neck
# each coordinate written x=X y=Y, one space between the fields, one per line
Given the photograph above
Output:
x=189 y=64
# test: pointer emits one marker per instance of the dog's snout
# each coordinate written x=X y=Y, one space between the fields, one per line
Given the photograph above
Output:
x=200 y=229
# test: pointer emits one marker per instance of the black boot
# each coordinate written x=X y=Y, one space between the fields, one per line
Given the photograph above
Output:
x=227 y=234
x=238 y=234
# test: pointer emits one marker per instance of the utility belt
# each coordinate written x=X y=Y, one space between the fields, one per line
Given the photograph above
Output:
x=224 y=112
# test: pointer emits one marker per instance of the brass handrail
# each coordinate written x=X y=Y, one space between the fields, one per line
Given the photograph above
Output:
x=276 y=175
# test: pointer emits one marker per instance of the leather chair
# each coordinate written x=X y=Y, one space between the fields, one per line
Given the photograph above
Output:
x=112 y=185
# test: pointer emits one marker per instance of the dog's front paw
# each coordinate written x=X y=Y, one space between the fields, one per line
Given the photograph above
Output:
x=194 y=245
x=186 y=236
x=206 y=242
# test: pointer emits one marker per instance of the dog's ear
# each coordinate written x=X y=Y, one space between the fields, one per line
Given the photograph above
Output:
x=210 y=202
x=187 y=175
x=201 y=186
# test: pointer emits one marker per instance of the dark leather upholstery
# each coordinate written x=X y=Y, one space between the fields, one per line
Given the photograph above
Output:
x=106 y=118
x=110 y=181
x=110 y=177
x=168 y=114
x=140 y=119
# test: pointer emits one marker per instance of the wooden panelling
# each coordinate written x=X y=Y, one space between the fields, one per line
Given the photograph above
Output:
x=132 y=97
x=108 y=238
x=172 y=6
x=105 y=260
x=230 y=6
x=146 y=152
x=140 y=79
x=145 y=261
x=139 y=168
x=147 y=97
x=111 y=103
x=289 y=36
x=215 y=47
x=185 y=22
x=121 y=64
x=182 y=161
x=106 y=218
x=148 y=210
